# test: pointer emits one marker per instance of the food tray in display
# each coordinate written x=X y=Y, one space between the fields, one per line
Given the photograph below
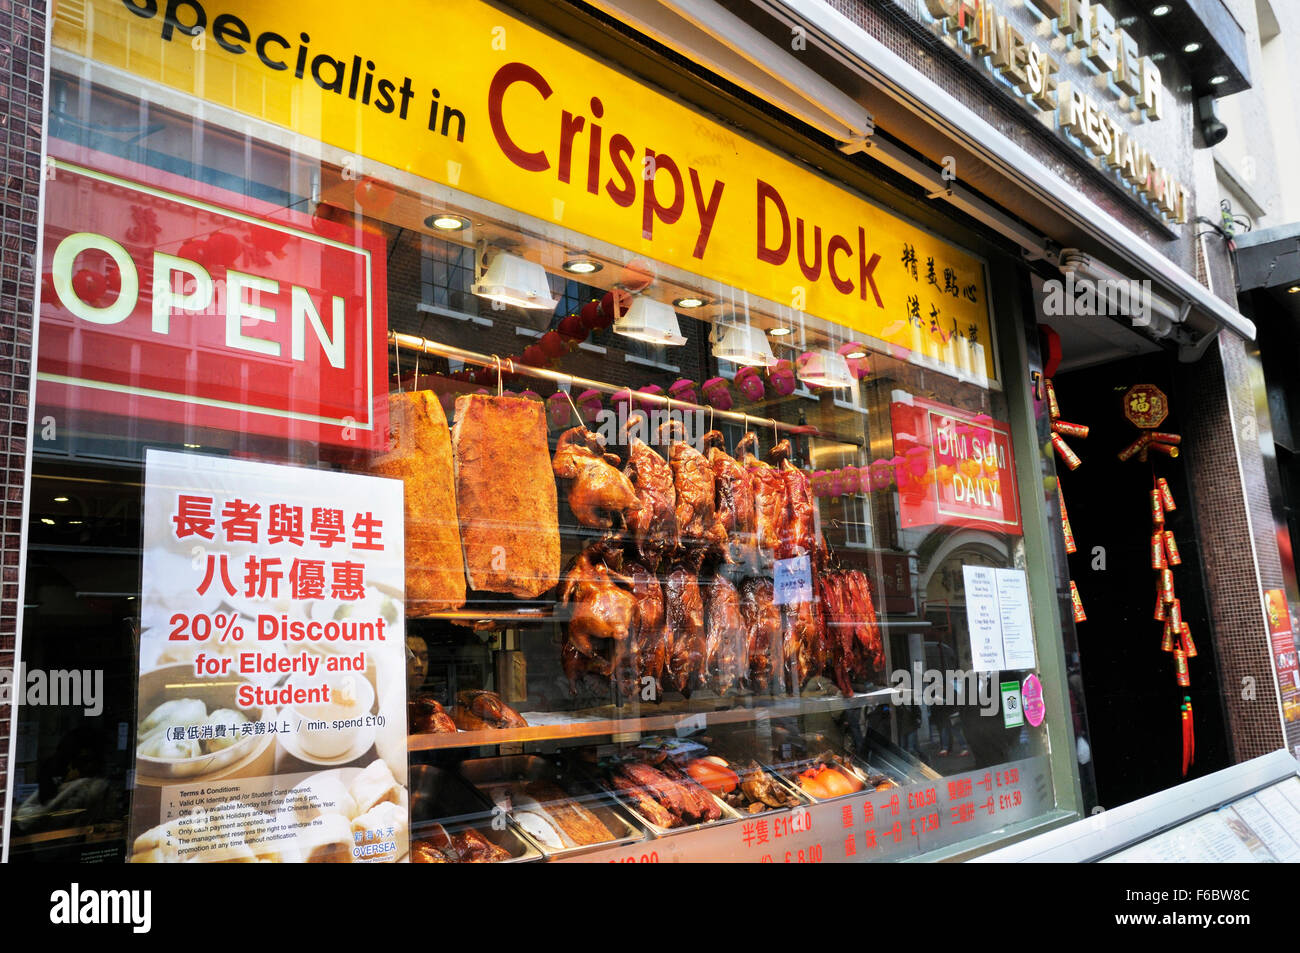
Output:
x=490 y=775
x=440 y=797
x=789 y=772
x=729 y=813
x=801 y=799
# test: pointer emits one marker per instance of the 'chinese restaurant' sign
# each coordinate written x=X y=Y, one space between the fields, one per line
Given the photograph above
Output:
x=185 y=303
x=509 y=113
x=953 y=468
x=272 y=694
x=1031 y=64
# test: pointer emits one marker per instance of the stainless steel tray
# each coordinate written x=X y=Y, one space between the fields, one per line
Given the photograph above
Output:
x=492 y=775
x=789 y=772
x=801 y=799
x=729 y=813
x=440 y=797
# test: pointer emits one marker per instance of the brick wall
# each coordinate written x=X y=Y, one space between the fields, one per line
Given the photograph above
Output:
x=22 y=64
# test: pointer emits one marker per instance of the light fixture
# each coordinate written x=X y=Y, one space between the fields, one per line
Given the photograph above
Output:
x=447 y=221
x=47 y=521
x=582 y=266
x=689 y=302
x=60 y=499
x=822 y=368
x=649 y=320
x=1294 y=289
x=742 y=344
x=1218 y=80
x=1191 y=47
x=1160 y=10
x=193 y=446
x=513 y=280
x=74 y=522
x=779 y=332
x=1160 y=315
x=854 y=352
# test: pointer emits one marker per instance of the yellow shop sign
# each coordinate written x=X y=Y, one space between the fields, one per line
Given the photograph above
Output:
x=460 y=93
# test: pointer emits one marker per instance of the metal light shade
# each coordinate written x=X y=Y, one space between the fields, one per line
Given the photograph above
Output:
x=649 y=320
x=515 y=281
x=742 y=344
x=823 y=368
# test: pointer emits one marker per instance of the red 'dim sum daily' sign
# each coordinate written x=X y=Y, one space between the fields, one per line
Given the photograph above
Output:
x=953 y=468
x=181 y=302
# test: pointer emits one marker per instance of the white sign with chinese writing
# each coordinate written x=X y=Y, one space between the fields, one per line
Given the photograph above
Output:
x=997 y=616
x=272 y=701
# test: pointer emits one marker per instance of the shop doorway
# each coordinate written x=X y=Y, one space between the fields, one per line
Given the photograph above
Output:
x=1129 y=686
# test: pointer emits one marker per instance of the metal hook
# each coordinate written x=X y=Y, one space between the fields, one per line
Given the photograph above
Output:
x=397 y=359
x=497 y=361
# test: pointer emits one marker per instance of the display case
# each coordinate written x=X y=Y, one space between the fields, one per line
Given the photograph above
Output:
x=701 y=540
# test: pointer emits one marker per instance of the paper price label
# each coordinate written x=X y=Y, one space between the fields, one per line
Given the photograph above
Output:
x=792 y=581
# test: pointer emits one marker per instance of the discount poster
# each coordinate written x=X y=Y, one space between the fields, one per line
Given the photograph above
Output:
x=271 y=713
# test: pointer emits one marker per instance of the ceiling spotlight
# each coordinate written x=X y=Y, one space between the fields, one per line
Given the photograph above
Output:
x=823 y=368
x=855 y=352
x=74 y=522
x=513 y=281
x=1191 y=47
x=779 y=332
x=582 y=266
x=649 y=320
x=447 y=221
x=60 y=499
x=47 y=521
x=689 y=302
x=1294 y=289
x=1218 y=80
x=742 y=344
x=1161 y=10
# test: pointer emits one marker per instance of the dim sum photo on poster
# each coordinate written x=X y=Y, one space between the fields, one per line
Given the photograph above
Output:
x=272 y=689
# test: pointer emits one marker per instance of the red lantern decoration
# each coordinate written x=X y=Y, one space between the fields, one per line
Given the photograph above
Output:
x=613 y=306
x=223 y=249
x=195 y=250
x=552 y=345
x=88 y=285
x=572 y=329
x=373 y=196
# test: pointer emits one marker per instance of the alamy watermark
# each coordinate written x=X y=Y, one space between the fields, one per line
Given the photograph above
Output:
x=1106 y=297
x=75 y=688
x=950 y=688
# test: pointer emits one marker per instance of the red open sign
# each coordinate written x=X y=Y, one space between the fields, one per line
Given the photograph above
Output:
x=186 y=303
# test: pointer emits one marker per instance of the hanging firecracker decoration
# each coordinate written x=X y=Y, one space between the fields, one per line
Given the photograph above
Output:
x=1051 y=348
x=1147 y=407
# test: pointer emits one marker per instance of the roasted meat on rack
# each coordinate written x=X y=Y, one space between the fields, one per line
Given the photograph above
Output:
x=735 y=501
x=762 y=618
x=699 y=526
x=651 y=640
x=684 y=606
x=598 y=488
x=770 y=497
x=726 y=659
x=653 y=518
